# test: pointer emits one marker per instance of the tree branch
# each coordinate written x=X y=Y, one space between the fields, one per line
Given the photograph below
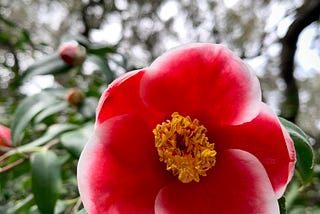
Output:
x=91 y=21
x=306 y=14
x=12 y=165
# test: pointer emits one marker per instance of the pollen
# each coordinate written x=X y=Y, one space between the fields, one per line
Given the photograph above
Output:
x=183 y=146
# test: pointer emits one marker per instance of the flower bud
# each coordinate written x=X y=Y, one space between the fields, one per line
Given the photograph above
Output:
x=5 y=136
x=72 y=53
x=74 y=96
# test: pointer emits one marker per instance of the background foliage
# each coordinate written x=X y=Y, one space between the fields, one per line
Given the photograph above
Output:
x=49 y=131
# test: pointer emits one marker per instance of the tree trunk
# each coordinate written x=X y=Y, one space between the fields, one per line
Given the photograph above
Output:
x=306 y=14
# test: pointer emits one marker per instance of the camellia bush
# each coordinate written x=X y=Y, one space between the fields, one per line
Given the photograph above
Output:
x=187 y=134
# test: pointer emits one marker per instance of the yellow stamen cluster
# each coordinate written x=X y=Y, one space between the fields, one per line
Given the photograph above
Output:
x=183 y=145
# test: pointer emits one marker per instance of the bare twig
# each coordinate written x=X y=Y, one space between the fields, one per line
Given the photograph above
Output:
x=52 y=143
x=12 y=165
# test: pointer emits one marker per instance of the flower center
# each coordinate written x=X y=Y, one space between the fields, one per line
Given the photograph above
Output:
x=183 y=145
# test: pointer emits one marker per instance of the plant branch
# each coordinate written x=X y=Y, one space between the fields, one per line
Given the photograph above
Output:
x=306 y=14
x=12 y=165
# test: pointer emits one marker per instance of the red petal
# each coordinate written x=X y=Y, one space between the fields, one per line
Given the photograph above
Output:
x=264 y=138
x=122 y=97
x=237 y=184
x=202 y=77
x=119 y=170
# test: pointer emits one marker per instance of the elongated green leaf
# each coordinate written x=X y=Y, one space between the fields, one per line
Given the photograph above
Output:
x=83 y=211
x=282 y=205
x=88 y=107
x=102 y=67
x=42 y=62
x=26 y=111
x=4 y=37
x=50 y=111
x=101 y=51
x=7 y=22
x=57 y=92
x=74 y=141
x=46 y=180
x=52 y=64
x=52 y=132
x=22 y=206
x=122 y=61
x=82 y=40
x=304 y=152
x=26 y=36
x=292 y=192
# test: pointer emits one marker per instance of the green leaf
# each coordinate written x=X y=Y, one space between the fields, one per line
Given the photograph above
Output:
x=122 y=62
x=26 y=111
x=292 y=193
x=26 y=36
x=304 y=152
x=51 y=110
x=82 y=40
x=52 y=132
x=83 y=211
x=22 y=205
x=7 y=22
x=101 y=50
x=282 y=205
x=46 y=180
x=74 y=141
x=52 y=64
x=88 y=107
x=57 y=92
x=22 y=40
x=42 y=62
x=102 y=67
x=5 y=37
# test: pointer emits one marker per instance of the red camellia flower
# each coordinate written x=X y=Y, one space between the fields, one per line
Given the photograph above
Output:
x=189 y=134
x=5 y=136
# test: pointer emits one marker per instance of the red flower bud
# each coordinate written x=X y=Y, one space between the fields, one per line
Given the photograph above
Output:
x=5 y=136
x=72 y=53
x=74 y=96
